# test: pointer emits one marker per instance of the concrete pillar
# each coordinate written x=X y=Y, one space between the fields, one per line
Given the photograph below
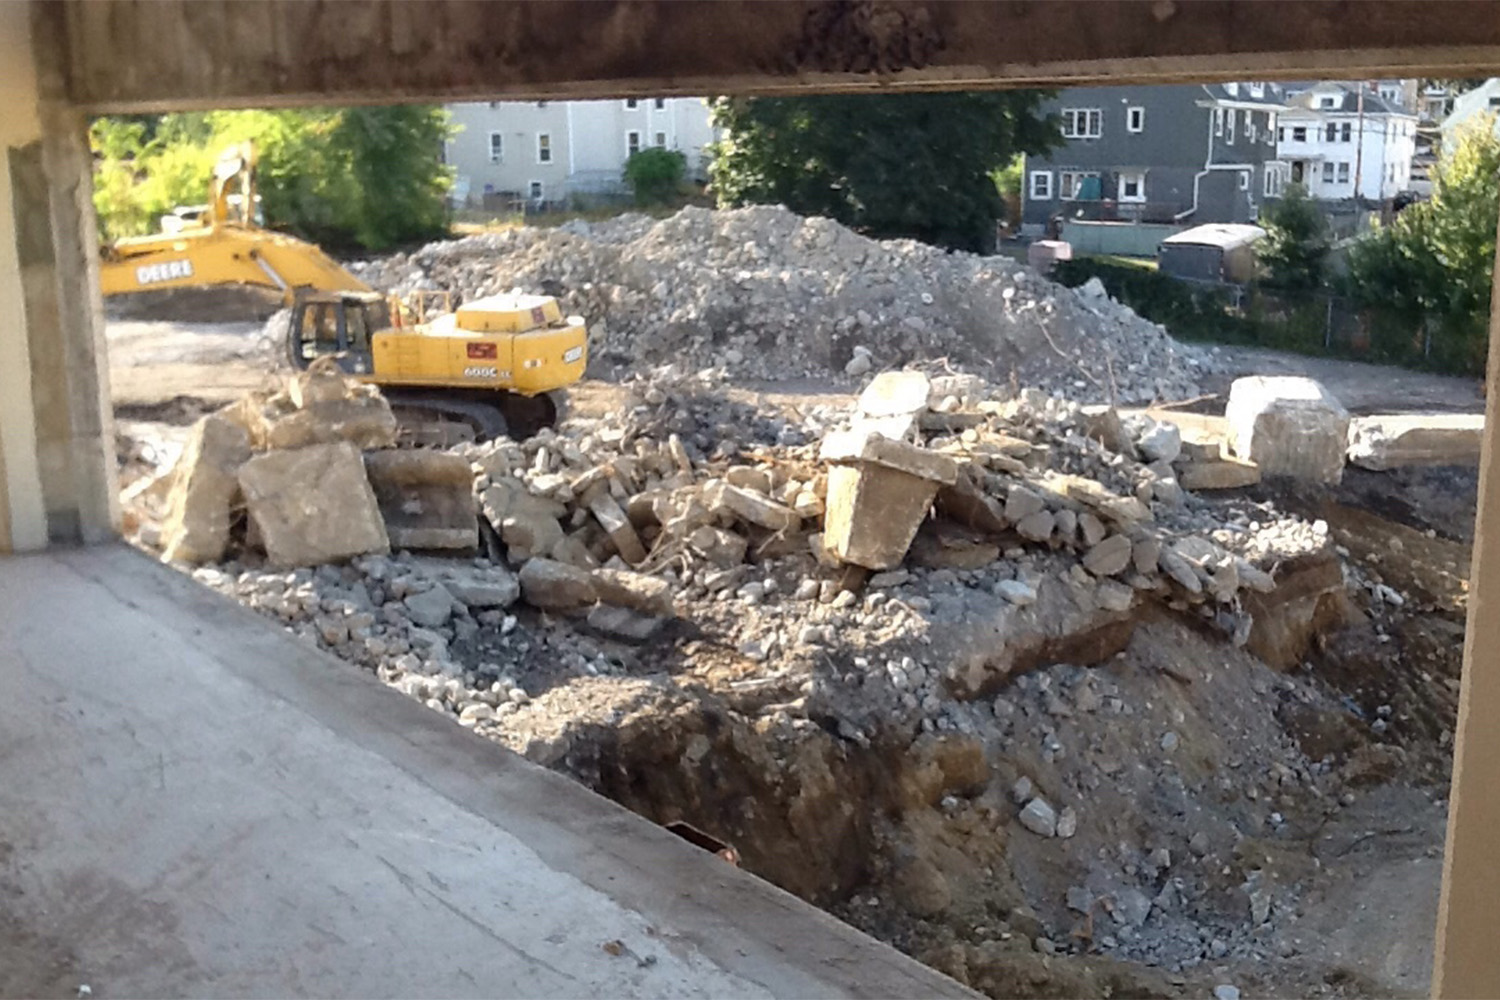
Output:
x=1467 y=960
x=57 y=465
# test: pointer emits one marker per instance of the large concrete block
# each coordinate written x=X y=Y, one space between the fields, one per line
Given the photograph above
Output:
x=878 y=493
x=313 y=505
x=204 y=488
x=426 y=498
x=1391 y=440
x=1289 y=426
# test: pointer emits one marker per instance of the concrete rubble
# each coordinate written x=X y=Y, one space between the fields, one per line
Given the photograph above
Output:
x=764 y=293
x=692 y=603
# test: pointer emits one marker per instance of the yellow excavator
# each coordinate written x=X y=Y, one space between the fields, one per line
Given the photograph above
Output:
x=496 y=365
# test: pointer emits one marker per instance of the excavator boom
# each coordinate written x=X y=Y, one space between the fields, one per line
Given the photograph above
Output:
x=223 y=254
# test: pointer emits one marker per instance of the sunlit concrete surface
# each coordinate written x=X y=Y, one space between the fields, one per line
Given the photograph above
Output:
x=194 y=803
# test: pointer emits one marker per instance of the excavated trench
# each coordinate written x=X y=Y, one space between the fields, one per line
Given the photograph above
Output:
x=1203 y=805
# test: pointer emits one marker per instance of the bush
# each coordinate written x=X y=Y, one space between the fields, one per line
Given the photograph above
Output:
x=655 y=175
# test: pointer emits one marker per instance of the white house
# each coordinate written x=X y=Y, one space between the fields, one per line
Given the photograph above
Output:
x=1482 y=100
x=1333 y=135
x=545 y=151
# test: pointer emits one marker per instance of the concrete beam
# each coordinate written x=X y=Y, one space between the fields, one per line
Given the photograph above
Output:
x=1466 y=961
x=137 y=56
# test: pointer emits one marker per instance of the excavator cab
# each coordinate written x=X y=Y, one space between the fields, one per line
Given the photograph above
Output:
x=341 y=324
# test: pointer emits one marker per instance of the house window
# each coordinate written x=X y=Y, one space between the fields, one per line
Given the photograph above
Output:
x=1041 y=185
x=661 y=104
x=494 y=104
x=1250 y=125
x=1082 y=123
x=534 y=190
x=1070 y=184
x=1257 y=90
x=1135 y=119
x=1344 y=172
x=541 y=104
x=1331 y=132
x=1233 y=89
x=1244 y=180
x=497 y=147
x=1344 y=133
x=1229 y=127
x=1495 y=102
x=632 y=142
x=1328 y=103
x=661 y=140
x=631 y=104
x=1132 y=187
x=1299 y=133
x=1271 y=186
x=1281 y=135
x=543 y=147
x=1327 y=171
x=1218 y=121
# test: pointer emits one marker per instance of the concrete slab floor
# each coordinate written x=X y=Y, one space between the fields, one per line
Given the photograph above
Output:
x=194 y=803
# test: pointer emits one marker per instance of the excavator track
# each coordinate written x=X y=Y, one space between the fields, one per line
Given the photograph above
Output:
x=437 y=419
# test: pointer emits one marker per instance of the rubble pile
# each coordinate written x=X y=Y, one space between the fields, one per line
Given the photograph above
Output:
x=767 y=294
x=838 y=638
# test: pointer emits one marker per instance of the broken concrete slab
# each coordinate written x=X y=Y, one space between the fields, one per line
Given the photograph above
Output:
x=623 y=623
x=1222 y=474
x=612 y=518
x=426 y=497
x=753 y=507
x=430 y=608
x=893 y=394
x=527 y=524
x=313 y=505
x=914 y=460
x=477 y=587
x=204 y=488
x=364 y=419
x=555 y=586
x=1392 y=441
x=1289 y=426
x=648 y=594
x=720 y=547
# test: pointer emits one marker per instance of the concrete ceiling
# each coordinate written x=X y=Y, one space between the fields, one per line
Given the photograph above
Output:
x=125 y=55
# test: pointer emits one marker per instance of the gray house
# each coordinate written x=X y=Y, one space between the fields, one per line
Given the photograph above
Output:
x=1181 y=155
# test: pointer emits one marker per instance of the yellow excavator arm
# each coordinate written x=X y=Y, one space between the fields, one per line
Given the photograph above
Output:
x=226 y=247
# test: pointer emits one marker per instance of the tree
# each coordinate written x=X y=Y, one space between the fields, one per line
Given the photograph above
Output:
x=906 y=165
x=655 y=175
x=367 y=176
x=1296 y=246
x=1434 y=264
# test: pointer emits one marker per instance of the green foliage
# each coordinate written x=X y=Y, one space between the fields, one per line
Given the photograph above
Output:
x=655 y=175
x=1433 y=266
x=903 y=165
x=1296 y=248
x=366 y=176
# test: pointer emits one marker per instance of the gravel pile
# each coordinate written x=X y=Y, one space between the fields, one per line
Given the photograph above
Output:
x=767 y=294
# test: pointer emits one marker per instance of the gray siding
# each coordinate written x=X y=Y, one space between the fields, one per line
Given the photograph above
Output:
x=1177 y=142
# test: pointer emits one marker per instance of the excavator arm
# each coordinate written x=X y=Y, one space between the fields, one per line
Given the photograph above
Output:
x=225 y=248
x=224 y=254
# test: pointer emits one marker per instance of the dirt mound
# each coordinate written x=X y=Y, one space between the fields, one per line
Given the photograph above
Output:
x=765 y=293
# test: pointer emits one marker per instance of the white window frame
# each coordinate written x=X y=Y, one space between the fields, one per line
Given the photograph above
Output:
x=536 y=191
x=661 y=104
x=1067 y=183
x=1244 y=180
x=1229 y=127
x=1271 y=185
x=1346 y=132
x=1281 y=134
x=632 y=139
x=1250 y=125
x=1135 y=119
x=497 y=147
x=659 y=140
x=1344 y=172
x=1218 y=121
x=1299 y=128
x=1045 y=176
x=1082 y=123
x=1257 y=89
x=631 y=103
x=1327 y=171
x=544 y=147
x=1331 y=132
x=1138 y=177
